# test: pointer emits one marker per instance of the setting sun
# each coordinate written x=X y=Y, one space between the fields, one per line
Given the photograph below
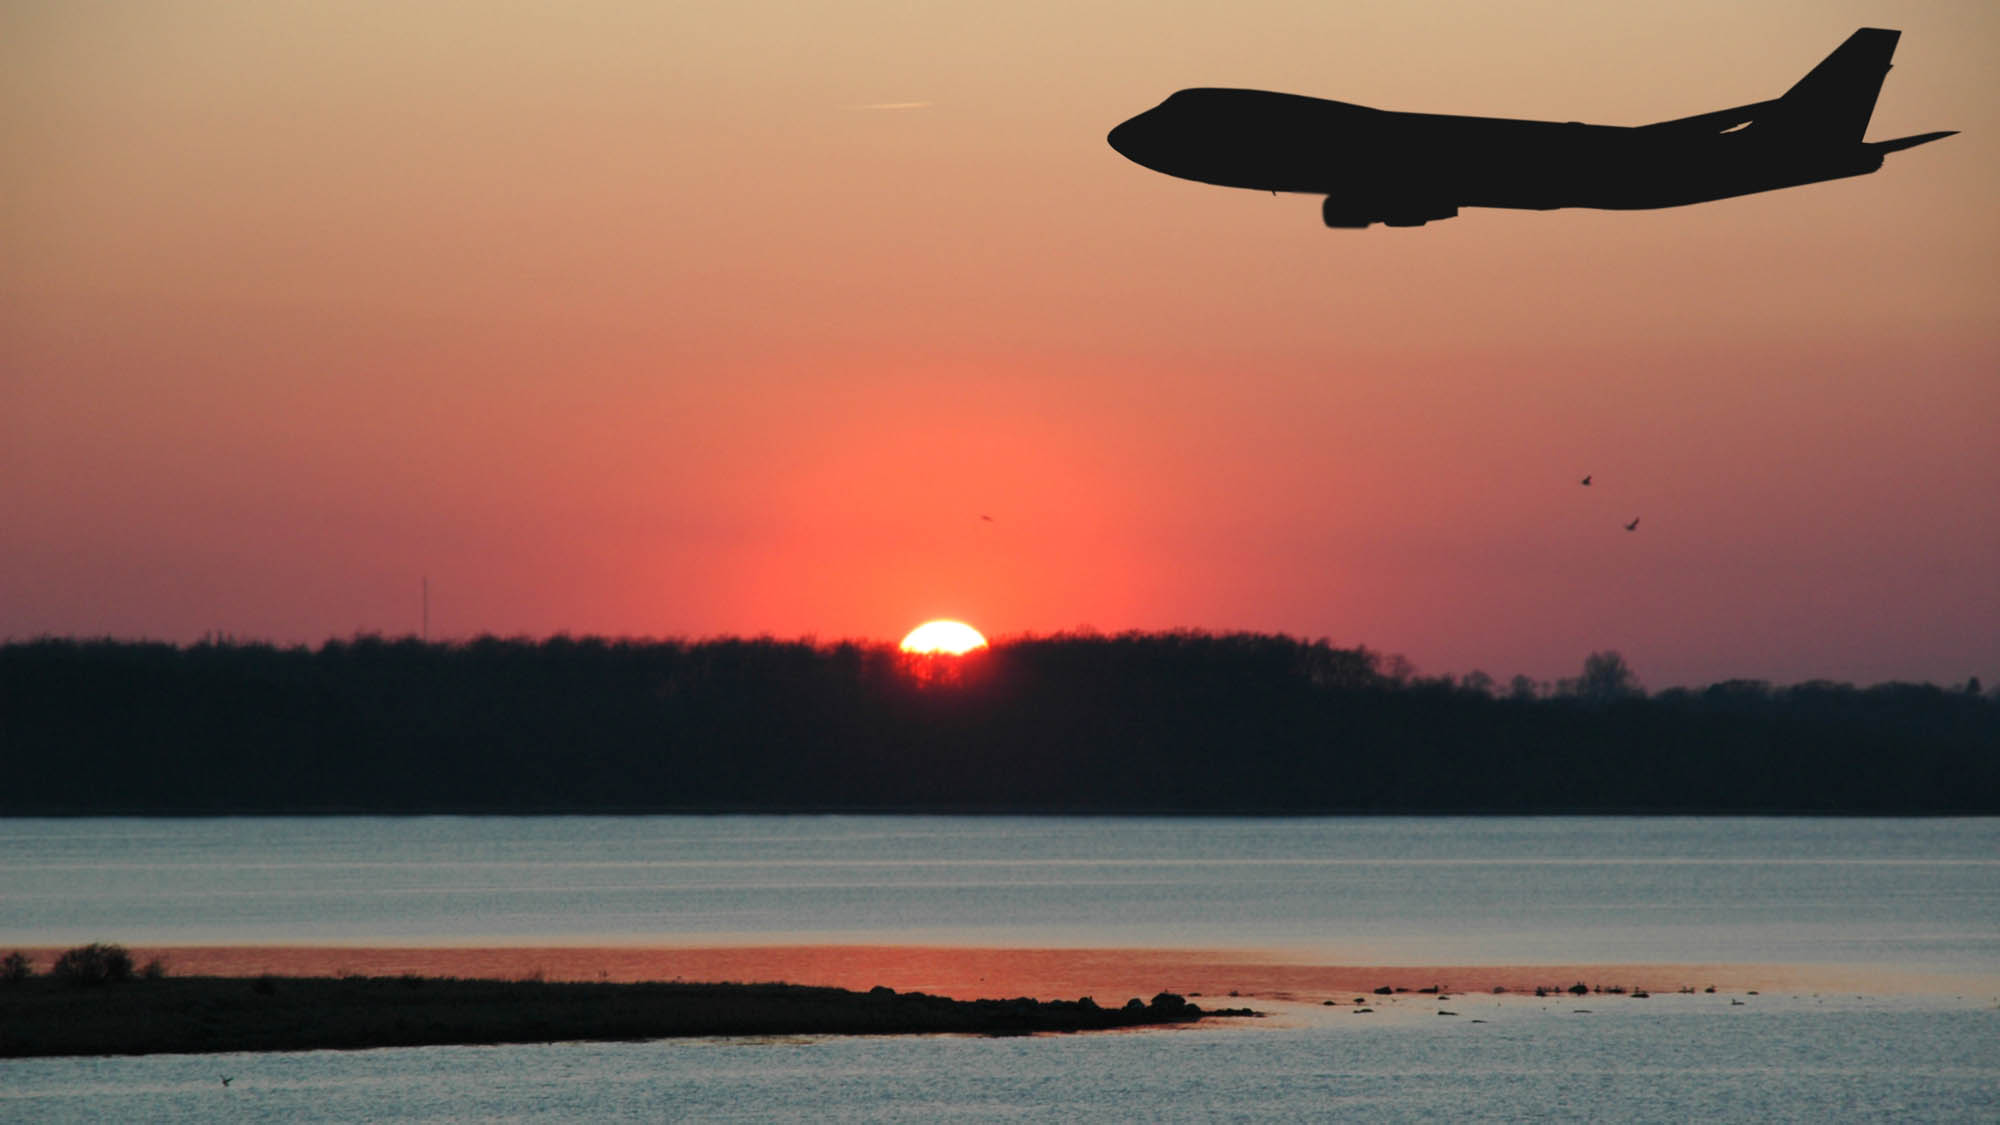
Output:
x=954 y=638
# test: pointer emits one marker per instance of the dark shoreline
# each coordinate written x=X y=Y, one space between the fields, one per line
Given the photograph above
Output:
x=43 y=1017
x=1138 y=724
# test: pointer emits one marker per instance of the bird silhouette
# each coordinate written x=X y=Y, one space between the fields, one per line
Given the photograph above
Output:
x=1634 y=525
x=1586 y=480
x=228 y=1078
x=987 y=518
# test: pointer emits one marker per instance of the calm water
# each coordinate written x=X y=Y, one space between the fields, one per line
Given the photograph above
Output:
x=1914 y=893
x=1763 y=1064
x=1919 y=895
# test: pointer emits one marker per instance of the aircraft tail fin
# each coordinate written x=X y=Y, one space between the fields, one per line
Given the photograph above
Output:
x=1833 y=102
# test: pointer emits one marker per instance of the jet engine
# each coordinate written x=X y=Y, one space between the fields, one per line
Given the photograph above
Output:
x=1342 y=215
x=1416 y=215
x=1347 y=214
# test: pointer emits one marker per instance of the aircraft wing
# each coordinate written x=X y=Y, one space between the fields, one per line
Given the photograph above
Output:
x=1718 y=121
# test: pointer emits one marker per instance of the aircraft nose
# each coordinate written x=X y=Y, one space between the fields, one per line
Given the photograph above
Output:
x=1128 y=137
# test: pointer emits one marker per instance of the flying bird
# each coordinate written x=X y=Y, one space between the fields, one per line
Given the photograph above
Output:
x=1586 y=480
x=1634 y=525
x=987 y=518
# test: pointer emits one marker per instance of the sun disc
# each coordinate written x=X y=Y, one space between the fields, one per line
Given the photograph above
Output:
x=954 y=638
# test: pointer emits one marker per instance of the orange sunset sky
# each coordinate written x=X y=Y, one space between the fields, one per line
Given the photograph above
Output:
x=693 y=318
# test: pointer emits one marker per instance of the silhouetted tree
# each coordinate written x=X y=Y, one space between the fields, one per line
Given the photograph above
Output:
x=1606 y=678
x=93 y=964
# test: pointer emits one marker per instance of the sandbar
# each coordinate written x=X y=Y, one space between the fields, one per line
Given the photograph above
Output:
x=1110 y=975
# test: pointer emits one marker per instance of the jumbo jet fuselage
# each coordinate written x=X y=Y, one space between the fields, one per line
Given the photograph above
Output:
x=1408 y=168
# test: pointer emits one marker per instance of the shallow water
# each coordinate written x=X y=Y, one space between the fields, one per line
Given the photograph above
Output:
x=1685 y=1058
x=1888 y=897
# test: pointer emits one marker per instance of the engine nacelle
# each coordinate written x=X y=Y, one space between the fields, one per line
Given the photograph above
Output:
x=1418 y=215
x=1344 y=214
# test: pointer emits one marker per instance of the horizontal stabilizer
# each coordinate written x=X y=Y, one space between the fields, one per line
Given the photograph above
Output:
x=1901 y=143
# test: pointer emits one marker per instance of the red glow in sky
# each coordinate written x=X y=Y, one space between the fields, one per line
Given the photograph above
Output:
x=693 y=319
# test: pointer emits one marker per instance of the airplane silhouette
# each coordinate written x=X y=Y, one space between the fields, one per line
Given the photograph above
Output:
x=1634 y=525
x=1406 y=169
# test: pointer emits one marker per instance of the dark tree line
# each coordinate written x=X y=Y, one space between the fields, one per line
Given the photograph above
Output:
x=1169 y=722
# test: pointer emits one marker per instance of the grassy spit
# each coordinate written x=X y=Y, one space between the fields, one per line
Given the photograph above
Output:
x=184 y=1015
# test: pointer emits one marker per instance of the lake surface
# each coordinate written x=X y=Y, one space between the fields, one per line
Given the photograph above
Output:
x=1913 y=893
x=1901 y=898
